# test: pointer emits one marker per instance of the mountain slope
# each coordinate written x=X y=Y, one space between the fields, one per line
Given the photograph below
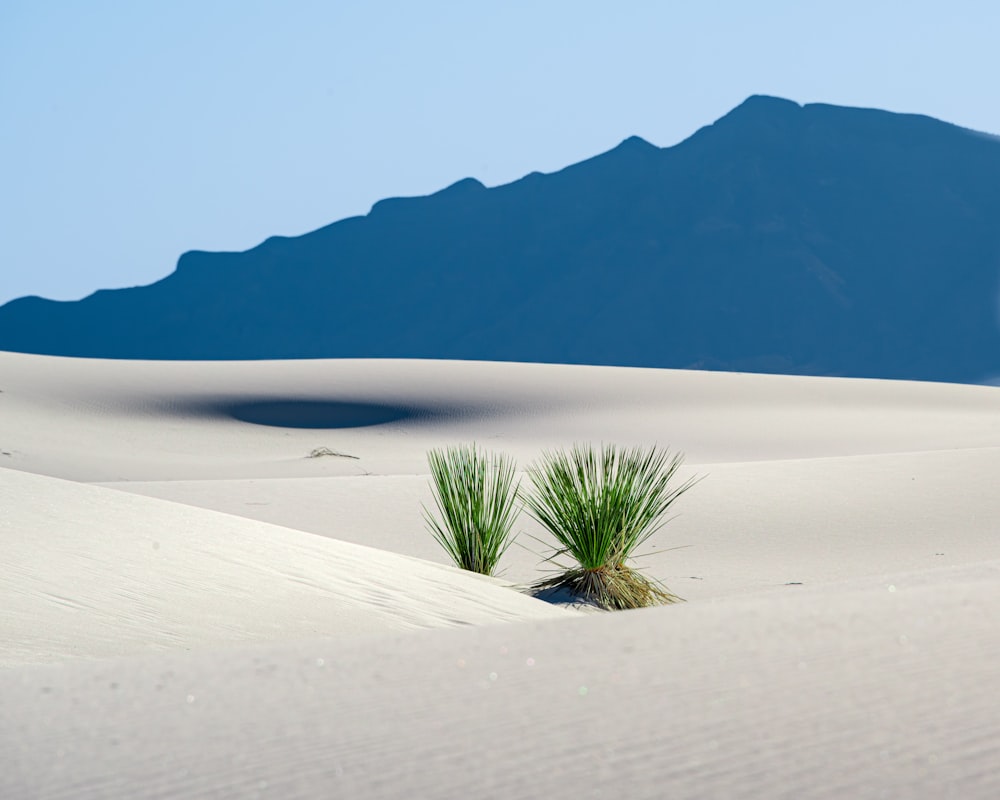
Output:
x=783 y=238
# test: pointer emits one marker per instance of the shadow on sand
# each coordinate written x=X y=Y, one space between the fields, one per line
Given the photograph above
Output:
x=322 y=413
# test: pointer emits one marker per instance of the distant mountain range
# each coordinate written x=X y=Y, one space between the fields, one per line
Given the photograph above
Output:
x=783 y=238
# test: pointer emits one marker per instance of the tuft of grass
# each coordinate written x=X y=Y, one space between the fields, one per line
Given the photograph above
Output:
x=601 y=505
x=476 y=500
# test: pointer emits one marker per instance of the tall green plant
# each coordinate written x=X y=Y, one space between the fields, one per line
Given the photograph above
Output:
x=476 y=499
x=600 y=506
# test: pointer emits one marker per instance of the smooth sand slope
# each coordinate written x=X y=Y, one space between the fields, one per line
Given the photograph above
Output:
x=245 y=619
x=94 y=573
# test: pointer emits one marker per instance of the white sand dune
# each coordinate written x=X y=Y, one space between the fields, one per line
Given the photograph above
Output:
x=857 y=692
x=93 y=573
x=841 y=559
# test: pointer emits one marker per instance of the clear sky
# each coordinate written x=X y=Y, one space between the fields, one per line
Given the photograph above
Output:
x=132 y=131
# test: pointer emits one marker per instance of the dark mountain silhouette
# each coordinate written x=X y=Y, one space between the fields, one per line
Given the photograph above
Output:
x=783 y=238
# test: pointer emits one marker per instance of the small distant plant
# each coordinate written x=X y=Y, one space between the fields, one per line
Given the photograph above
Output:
x=600 y=506
x=320 y=452
x=476 y=499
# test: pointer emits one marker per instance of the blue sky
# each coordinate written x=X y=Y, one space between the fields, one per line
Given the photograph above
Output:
x=133 y=131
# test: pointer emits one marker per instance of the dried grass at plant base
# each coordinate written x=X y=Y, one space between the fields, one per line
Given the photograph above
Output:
x=613 y=587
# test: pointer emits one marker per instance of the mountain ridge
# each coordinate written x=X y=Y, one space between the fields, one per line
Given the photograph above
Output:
x=809 y=239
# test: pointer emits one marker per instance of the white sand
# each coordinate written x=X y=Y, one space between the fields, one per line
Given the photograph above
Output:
x=841 y=559
x=95 y=573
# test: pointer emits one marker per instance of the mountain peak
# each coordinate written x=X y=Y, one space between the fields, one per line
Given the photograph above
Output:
x=459 y=189
x=636 y=143
x=759 y=114
x=759 y=107
x=768 y=101
x=463 y=186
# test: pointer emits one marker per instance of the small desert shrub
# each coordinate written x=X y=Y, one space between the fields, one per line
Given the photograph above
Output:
x=476 y=500
x=600 y=506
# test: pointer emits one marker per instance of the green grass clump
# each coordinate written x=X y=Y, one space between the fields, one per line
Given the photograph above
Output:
x=600 y=506
x=476 y=500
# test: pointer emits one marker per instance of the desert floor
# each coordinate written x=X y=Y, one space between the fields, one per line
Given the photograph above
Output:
x=194 y=603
